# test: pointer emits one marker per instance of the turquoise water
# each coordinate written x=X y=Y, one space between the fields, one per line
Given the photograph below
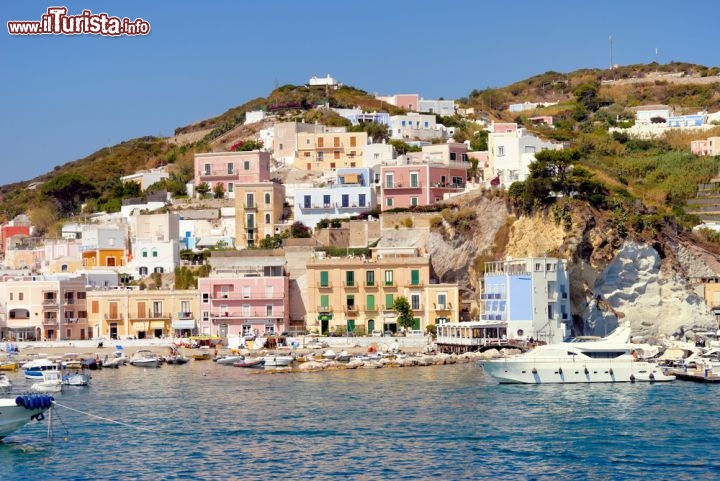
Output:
x=203 y=421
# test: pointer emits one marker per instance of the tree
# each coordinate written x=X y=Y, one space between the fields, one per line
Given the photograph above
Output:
x=405 y=318
x=202 y=189
x=376 y=132
x=157 y=279
x=219 y=190
x=68 y=191
x=299 y=230
x=587 y=95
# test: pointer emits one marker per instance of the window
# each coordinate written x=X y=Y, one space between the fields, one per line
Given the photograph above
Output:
x=332 y=165
x=326 y=201
x=143 y=271
x=361 y=200
x=415 y=277
x=207 y=169
x=350 y=278
x=250 y=221
x=389 y=180
x=269 y=292
x=413 y=201
x=246 y=165
x=388 y=278
x=267 y=198
x=388 y=301
x=414 y=179
x=453 y=156
x=324 y=281
x=95 y=307
x=441 y=300
x=230 y=168
x=157 y=309
x=353 y=141
x=336 y=154
x=250 y=200
x=267 y=218
x=154 y=252
x=336 y=141
x=246 y=292
x=230 y=187
x=245 y=309
x=325 y=301
x=268 y=310
x=158 y=270
x=320 y=142
x=306 y=201
x=345 y=200
x=370 y=302
x=144 y=252
x=389 y=202
x=500 y=151
x=369 y=278
x=464 y=157
x=415 y=302
x=320 y=156
x=350 y=302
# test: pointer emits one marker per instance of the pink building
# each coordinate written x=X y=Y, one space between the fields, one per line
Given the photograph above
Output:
x=245 y=295
x=503 y=127
x=709 y=146
x=408 y=102
x=230 y=168
x=420 y=184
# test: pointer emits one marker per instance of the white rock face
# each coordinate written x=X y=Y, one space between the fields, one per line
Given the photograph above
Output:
x=633 y=288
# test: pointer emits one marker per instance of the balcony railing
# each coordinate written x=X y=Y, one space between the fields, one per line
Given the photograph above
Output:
x=49 y=322
x=114 y=317
x=249 y=314
x=442 y=307
x=185 y=315
x=149 y=315
x=404 y=185
x=418 y=307
x=327 y=285
x=250 y=206
x=316 y=207
x=216 y=173
x=373 y=308
x=324 y=309
x=50 y=302
x=352 y=308
x=350 y=285
x=254 y=295
x=370 y=285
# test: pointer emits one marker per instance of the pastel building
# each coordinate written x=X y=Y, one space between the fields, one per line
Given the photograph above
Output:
x=142 y=314
x=709 y=146
x=408 y=102
x=351 y=194
x=529 y=297
x=414 y=184
x=440 y=107
x=103 y=246
x=258 y=209
x=330 y=151
x=146 y=178
x=510 y=153
x=246 y=294
x=231 y=168
x=155 y=241
x=36 y=308
x=284 y=138
x=358 y=294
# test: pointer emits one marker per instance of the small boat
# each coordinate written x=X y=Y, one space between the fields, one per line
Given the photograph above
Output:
x=34 y=369
x=273 y=360
x=342 y=356
x=71 y=360
x=119 y=359
x=145 y=358
x=256 y=362
x=19 y=411
x=51 y=382
x=202 y=356
x=76 y=379
x=8 y=366
x=177 y=358
x=5 y=383
x=230 y=359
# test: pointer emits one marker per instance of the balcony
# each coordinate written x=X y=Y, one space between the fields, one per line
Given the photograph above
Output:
x=370 y=285
x=252 y=296
x=185 y=316
x=277 y=312
x=250 y=206
x=317 y=207
x=142 y=316
x=324 y=309
x=373 y=308
x=350 y=285
x=216 y=173
x=418 y=307
x=443 y=307
x=49 y=322
x=328 y=285
x=114 y=317
x=404 y=185
x=389 y=284
x=444 y=185
x=350 y=309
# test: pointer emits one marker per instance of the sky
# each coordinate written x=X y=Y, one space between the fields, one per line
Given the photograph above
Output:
x=62 y=97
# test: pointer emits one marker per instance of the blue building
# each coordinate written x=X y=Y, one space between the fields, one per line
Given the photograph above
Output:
x=529 y=297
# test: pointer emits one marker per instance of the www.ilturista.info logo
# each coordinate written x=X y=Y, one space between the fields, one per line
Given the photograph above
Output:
x=57 y=22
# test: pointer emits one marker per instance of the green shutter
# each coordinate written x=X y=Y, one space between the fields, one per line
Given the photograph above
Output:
x=324 y=300
x=415 y=277
x=370 y=278
x=416 y=325
x=350 y=278
x=388 y=301
x=370 y=301
x=324 y=279
x=351 y=325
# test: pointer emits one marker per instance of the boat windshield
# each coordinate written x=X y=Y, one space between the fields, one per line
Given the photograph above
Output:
x=604 y=354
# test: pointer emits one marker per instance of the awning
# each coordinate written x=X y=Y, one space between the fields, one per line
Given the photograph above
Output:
x=184 y=324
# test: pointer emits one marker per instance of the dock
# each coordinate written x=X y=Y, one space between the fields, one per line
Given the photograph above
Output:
x=696 y=375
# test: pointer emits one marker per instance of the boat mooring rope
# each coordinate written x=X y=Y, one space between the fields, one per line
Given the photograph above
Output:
x=139 y=428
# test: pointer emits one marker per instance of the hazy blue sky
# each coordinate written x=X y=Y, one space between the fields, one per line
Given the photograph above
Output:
x=63 y=97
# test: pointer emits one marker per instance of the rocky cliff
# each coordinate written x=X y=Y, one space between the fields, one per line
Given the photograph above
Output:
x=613 y=279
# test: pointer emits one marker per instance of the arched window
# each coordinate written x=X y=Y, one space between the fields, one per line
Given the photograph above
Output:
x=144 y=252
x=154 y=252
x=267 y=197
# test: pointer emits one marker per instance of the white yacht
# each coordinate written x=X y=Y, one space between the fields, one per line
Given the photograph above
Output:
x=609 y=359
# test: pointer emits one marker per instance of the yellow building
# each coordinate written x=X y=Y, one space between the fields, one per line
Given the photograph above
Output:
x=258 y=207
x=103 y=246
x=124 y=313
x=358 y=294
x=330 y=151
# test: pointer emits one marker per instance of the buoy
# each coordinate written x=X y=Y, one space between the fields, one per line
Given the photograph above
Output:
x=611 y=371
x=586 y=371
x=652 y=376
x=632 y=377
x=534 y=371
x=560 y=371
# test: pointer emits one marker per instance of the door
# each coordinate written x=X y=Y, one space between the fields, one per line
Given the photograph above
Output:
x=113 y=330
x=371 y=326
x=324 y=326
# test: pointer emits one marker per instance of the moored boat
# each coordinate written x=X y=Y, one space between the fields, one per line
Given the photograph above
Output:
x=230 y=359
x=51 y=382
x=34 y=369
x=610 y=359
x=248 y=362
x=76 y=379
x=18 y=411
x=145 y=358
x=272 y=360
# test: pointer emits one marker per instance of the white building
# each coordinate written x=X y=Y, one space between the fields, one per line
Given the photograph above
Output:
x=511 y=152
x=351 y=194
x=154 y=241
x=415 y=126
x=146 y=178
x=530 y=296
x=440 y=107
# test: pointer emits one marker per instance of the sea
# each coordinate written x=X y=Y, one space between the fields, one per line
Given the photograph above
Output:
x=203 y=421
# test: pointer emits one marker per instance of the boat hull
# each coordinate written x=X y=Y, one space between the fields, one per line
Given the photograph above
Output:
x=278 y=361
x=15 y=416
x=565 y=372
